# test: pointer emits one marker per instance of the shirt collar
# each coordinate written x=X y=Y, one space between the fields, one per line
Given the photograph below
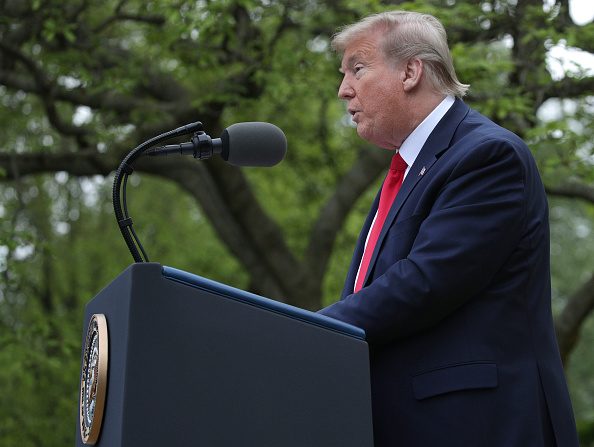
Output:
x=414 y=142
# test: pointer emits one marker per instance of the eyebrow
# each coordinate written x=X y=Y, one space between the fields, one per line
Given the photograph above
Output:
x=351 y=60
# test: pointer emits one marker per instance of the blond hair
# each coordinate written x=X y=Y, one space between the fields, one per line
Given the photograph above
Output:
x=408 y=35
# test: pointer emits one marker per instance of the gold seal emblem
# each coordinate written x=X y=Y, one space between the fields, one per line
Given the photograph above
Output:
x=93 y=384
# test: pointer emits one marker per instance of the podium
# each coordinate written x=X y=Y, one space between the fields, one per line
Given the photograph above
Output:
x=193 y=362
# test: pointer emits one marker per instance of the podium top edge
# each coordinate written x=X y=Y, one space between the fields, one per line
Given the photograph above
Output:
x=262 y=302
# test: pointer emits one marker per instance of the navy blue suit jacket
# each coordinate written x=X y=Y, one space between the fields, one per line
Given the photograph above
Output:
x=457 y=304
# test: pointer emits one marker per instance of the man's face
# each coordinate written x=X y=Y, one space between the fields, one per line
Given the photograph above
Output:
x=372 y=88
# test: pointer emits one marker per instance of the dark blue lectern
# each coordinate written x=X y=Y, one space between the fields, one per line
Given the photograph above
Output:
x=193 y=362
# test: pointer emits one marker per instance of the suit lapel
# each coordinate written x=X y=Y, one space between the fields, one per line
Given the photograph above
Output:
x=438 y=141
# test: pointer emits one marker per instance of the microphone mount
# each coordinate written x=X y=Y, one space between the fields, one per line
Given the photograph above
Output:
x=200 y=146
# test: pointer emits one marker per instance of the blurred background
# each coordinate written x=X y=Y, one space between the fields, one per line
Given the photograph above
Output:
x=82 y=82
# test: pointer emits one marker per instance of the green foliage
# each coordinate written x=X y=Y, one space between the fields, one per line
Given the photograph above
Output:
x=586 y=433
x=160 y=62
x=38 y=383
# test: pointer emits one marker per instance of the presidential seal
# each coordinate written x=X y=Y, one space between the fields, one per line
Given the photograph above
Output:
x=93 y=384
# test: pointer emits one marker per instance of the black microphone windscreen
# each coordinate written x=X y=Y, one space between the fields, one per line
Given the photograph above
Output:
x=253 y=144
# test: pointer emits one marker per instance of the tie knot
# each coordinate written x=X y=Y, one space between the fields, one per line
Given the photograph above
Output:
x=398 y=163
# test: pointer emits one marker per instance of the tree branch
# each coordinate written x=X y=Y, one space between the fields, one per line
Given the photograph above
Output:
x=563 y=19
x=45 y=92
x=332 y=216
x=225 y=196
x=569 y=321
x=105 y=100
x=120 y=16
x=569 y=87
x=250 y=234
x=83 y=163
x=18 y=82
x=29 y=64
x=264 y=235
x=572 y=190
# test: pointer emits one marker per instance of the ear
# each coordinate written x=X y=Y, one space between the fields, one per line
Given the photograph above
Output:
x=412 y=74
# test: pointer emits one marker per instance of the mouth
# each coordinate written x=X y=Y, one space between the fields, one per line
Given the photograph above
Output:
x=353 y=114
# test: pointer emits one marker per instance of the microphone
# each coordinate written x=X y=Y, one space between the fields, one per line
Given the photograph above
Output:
x=241 y=144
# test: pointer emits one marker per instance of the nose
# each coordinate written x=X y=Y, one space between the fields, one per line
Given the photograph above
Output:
x=345 y=91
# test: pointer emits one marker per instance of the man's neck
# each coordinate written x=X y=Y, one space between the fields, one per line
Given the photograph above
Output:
x=410 y=148
x=424 y=104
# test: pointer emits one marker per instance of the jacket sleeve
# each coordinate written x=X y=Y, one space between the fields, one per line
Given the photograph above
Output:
x=473 y=226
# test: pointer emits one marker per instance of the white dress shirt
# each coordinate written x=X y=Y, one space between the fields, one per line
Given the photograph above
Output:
x=413 y=144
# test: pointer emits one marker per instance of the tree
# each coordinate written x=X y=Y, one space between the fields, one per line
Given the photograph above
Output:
x=82 y=82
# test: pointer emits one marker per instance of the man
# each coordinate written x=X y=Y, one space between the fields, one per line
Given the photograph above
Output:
x=450 y=280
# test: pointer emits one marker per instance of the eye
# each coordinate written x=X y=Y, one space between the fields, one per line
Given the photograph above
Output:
x=358 y=70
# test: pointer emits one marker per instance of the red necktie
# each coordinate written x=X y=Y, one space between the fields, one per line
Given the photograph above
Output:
x=390 y=188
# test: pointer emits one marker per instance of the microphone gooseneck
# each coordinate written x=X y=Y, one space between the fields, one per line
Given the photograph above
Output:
x=119 y=196
x=241 y=144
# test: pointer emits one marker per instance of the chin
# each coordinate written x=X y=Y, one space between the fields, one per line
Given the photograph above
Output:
x=364 y=133
x=371 y=138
